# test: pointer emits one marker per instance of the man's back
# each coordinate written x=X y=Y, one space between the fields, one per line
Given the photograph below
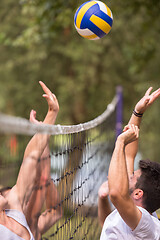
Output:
x=115 y=228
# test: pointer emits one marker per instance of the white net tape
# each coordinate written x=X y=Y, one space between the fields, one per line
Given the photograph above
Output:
x=10 y=124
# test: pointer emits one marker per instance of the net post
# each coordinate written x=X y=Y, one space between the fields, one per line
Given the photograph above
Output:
x=119 y=110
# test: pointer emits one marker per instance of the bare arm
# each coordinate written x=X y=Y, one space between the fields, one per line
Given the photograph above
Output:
x=104 y=207
x=27 y=174
x=28 y=171
x=38 y=196
x=142 y=105
x=119 y=189
x=53 y=210
x=53 y=108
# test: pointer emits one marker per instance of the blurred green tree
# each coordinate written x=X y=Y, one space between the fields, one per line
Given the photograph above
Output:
x=38 y=42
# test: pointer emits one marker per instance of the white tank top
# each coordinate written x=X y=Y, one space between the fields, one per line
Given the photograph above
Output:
x=7 y=234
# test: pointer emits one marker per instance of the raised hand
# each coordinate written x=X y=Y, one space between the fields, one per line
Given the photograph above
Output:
x=130 y=134
x=147 y=100
x=50 y=97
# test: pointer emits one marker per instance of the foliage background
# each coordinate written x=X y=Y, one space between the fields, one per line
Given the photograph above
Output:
x=38 y=41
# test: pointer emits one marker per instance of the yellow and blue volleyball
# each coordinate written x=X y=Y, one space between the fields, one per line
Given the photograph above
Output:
x=93 y=20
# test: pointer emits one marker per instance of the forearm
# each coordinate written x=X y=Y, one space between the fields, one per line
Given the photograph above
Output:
x=118 y=176
x=50 y=117
x=43 y=175
x=119 y=187
x=36 y=145
x=140 y=108
x=38 y=140
x=104 y=209
x=30 y=165
x=132 y=148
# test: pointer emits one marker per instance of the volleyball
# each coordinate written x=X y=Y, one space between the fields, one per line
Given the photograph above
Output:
x=93 y=20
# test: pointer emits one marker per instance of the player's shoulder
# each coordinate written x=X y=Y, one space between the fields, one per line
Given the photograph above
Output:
x=147 y=227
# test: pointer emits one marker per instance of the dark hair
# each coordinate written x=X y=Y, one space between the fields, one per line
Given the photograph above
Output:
x=149 y=182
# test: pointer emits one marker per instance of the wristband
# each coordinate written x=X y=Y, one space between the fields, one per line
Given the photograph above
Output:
x=137 y=114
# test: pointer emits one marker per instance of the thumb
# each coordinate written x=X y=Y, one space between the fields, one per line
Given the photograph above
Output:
x=147 y=99
x=45 y=95
x=32 y=114
x=48 y=97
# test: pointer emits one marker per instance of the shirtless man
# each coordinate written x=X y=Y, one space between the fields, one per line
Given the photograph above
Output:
x=13 y=203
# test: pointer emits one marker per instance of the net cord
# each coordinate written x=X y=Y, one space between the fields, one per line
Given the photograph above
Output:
x=18 y=125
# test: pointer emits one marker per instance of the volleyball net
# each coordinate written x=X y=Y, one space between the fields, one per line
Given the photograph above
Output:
x=79 y=157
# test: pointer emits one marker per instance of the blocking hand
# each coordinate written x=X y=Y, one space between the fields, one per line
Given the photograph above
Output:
x=147 y=100
x=130 y=134
x=50 y=97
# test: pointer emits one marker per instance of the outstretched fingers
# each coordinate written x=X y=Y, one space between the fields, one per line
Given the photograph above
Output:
x=154 y=96
x=148 y=91
x=50 y=97
x=156 y=93
x=45 y=88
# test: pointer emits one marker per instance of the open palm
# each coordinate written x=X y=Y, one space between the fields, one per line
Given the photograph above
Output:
x=147 y=100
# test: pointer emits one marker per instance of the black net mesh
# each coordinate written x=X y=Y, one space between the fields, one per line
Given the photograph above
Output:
x=78 y=165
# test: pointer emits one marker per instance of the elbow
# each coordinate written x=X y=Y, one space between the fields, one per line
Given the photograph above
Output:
x=117 y=196
x=114 y=196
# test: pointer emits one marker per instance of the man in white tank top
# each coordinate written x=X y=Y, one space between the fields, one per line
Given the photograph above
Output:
x=134 y=195
x=13 y=224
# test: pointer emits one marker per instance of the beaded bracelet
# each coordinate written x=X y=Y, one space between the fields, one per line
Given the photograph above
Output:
x=137 y=114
